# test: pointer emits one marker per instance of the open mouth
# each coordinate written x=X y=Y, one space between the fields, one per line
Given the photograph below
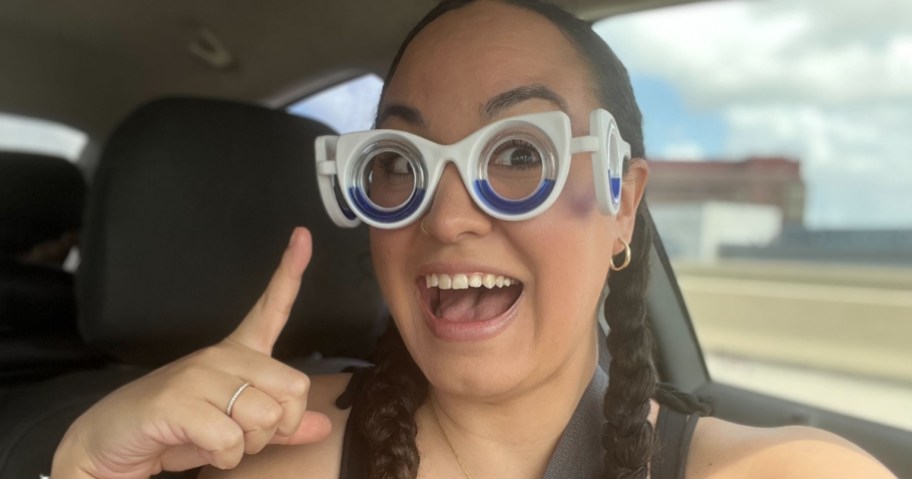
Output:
x=469 y=297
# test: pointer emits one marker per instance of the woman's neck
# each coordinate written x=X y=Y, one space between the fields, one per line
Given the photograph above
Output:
x=514 y=435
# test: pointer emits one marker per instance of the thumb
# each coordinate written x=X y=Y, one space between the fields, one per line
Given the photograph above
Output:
x=262 y=326
x=314 y=427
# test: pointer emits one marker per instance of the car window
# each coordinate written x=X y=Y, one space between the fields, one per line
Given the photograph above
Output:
x=346 y=107
x=780 y=179
x=32 y=135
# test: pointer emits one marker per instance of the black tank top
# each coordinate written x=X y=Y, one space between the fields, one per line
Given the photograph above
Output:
x=677 y=419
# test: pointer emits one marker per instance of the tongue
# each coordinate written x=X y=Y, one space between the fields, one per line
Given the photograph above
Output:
x=475 y=304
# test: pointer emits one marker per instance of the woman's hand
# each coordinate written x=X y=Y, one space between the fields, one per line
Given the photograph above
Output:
x=175 y=417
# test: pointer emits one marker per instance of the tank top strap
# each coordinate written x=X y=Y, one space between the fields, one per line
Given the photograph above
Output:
x=354 y=446
x=674 y=431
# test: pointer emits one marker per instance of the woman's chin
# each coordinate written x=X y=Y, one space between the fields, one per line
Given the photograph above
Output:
x=477 y=384
x=481 y=370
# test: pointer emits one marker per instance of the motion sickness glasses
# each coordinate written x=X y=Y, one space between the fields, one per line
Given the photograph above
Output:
x=513 y=169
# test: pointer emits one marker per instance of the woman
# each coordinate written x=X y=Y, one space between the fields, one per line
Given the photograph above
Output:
x=494 y=296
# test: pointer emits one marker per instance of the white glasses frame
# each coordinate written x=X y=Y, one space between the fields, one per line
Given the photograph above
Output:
x=338 y=159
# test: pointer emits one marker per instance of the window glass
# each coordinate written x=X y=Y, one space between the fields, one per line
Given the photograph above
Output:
x=780 y=178
x=31 y=135
x=349 y=106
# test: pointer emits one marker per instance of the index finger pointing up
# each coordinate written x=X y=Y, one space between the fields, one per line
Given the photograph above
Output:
x=262 y=326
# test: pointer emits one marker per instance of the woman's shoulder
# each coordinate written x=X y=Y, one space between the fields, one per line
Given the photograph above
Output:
x=725 y=449
x=318 y=460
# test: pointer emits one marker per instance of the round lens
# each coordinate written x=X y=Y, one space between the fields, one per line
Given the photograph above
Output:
x=388 y=174
x=518 y=162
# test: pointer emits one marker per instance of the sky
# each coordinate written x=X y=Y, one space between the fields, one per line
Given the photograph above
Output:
x=827 y=82
x=348 y=107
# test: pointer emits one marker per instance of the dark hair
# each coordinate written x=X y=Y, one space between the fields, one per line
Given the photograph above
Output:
x=396 y=388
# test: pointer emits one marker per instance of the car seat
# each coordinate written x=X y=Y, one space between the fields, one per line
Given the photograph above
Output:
x=192 y=205
x=41 y=201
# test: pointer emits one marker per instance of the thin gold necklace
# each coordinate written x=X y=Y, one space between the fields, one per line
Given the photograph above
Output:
x=449 y=443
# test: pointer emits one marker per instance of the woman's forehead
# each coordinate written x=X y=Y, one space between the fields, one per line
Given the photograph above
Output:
x=468 y=57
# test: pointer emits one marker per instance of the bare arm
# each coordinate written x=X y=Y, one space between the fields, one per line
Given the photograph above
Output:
x=724 y=449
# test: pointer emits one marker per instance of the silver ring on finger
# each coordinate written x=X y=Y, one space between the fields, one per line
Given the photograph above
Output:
x=234 y=398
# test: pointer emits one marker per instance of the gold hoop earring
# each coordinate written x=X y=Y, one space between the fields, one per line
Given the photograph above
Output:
x=627 y=257
x=423 y=228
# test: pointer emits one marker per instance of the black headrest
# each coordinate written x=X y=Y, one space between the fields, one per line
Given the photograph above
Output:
x=41 y=198
x=192 y=206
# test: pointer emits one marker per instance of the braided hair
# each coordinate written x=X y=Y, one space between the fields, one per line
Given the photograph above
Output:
x=396 y=388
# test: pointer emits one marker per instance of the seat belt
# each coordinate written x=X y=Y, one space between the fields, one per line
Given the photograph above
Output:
x=579 y=452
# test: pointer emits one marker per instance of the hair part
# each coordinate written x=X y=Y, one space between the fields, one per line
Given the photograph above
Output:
x=396 y=387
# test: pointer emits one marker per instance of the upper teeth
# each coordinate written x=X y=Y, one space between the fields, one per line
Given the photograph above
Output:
x=466 y=281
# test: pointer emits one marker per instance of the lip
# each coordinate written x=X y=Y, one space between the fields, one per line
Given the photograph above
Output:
x=465 y=331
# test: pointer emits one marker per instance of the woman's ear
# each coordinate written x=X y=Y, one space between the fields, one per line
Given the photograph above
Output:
x=631 y=194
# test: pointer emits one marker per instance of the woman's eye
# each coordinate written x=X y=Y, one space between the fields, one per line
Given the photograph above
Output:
x=516 y=155
x=390 y=179
x=394 y=164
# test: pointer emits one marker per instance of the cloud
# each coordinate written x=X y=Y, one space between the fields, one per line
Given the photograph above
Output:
x=827 y=82
x=857 y=163
x=753 y=52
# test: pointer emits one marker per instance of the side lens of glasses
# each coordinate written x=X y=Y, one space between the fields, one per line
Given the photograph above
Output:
x=620 y=153
x=516 y=165
x=340 y=200
x=388 y=175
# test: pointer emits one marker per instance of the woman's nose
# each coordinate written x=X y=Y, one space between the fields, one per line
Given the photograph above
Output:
x=453 y=215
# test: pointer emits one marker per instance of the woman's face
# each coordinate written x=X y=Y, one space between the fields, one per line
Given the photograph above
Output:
x=481 y=342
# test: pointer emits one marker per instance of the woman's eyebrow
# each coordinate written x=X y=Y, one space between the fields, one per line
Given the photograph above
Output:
x=490 y=109
x=405 y=112
x=527 y=92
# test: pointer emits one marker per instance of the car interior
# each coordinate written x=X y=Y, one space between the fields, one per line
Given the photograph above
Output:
x=196 y=174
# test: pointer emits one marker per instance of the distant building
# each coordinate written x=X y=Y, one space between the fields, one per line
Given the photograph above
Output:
x=700 y=231
x=773 y=181
x=711 y=210
x=700 y=207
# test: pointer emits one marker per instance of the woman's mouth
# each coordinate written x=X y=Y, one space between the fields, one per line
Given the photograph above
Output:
x=468 y=306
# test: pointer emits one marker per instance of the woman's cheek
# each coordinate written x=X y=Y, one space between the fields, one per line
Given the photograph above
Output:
x=581 y=202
